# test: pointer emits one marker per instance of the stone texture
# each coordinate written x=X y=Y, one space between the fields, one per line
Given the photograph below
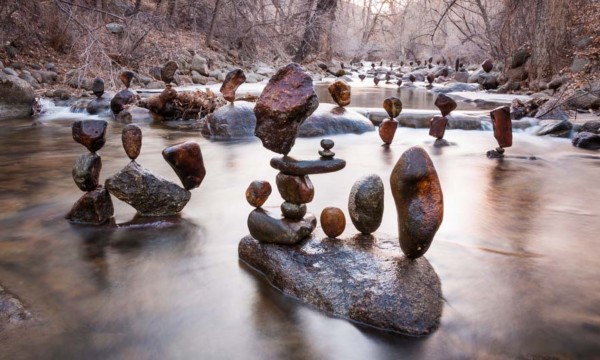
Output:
x=328 y=120
x=12 y=310
x=361 y=279
x=290 y=166
x=121 y=99
x=293 y=211
x=556 y=128
x=232 y=121
x=149 y=194
x=438 y=126
x=186 y=160
x=233 y=80
x=90 y=133
x=419 y=201
x=393 y=106
x=258 y=192
x=387 y=130
x=340 y=92
x=445 y=103
x=86 y=171
x=295 y=189
x=592 y=126
x=98 y=105
x=167 y=72
x=365 y=203
x=333 y=221
x=17 y=97
x=487 y=65
x=268 y=228
x=552 y=110
x=502 y=125
x=287 y=100
x=94 y=208
x=587 y=140
x=131 y=136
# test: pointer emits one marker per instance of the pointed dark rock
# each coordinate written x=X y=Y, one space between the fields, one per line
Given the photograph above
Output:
x=445 y=103
x=186 y=160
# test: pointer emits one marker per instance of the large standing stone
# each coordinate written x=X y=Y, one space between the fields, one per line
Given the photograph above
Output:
x=98 y=87
x=287 y=100
x=365 y=204
x=340 y=92
x=90 y=133
x=419 y=201
x=149 y=194
x=186 y=160
x=445 y=103
x=502 y=126
x=268 y=228
x=132 y=140
x=86 y=171
x=295 y=189
x=258 y=192
x=438 y=126
x=167 y=72
x=94 y=207
x=333 y=221
x=393 y=106
x=233 y=80
x=121 y=99
x=387 y=130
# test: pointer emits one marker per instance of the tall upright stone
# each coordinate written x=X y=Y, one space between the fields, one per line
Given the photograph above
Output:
x=233 y=80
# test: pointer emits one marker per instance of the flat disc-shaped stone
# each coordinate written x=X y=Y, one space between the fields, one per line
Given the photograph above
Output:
x=393 y=106
x=90 y=133
x=438 y=126
x=419 y=201
x=340 y=92
x=445 y=103
x=502 y=125
x=233 y=80
x=291 y=166
x=186 y=160
x=132 y=140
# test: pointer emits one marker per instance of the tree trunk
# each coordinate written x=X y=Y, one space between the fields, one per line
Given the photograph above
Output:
x=171 y=5
x=315 y=26
x=212 y=23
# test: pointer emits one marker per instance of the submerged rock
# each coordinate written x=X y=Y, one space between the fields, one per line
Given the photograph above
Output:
x=419 y=201
x=287 y=100
x=269 y=228
x=98 y=105
x=94 y=208
x=365 y=204
x=12 y=311
x=149 y=194
x=362 y=279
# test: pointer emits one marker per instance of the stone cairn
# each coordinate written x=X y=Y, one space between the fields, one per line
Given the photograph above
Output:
x=437 y=127
x=388 y=127
x=150 y=194
x=95 y=207
x=502 y=125
x=340 y=92
x=123 y=98
x=233 y=80
x=287 y=100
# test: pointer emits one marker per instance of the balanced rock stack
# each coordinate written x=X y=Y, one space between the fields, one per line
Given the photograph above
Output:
x=438 y=124
x=99 y=103
x=340 y=92
x=150 y=194
x=430 y=79
x=502 y=125
x=233 y=80
x=388 y=127
x=95 y=206
x=124 y=97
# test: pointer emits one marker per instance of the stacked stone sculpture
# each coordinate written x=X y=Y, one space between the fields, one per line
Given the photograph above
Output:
x=430 y=79
x=124 y=97
x=340 y=92
x=362 y=76
x=233 y=80
x=438 y=124
x=502 y=125
x=98 y=87
x=388 y=127
x=287 y=100
x=95 y=207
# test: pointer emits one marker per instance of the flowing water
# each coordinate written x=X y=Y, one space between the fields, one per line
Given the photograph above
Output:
x=518 y=253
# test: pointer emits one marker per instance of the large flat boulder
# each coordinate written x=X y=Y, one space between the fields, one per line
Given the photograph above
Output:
x=363 y=279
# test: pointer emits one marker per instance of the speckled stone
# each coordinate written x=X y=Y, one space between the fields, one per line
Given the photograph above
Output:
x=293 y=211
x=131 y=137
x=86 y=171
x=90 y=133
x=438 y=126
x=258 y=192
x=393 y=106
x=295 y=189
x=365 y=204
x=233 y=80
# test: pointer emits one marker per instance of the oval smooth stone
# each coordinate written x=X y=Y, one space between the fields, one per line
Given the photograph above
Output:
x=333 y=221
x=90 y=133
x=258 y=192
x=132 y=140
x=186 y=160
x=293 y=211
x=419 y=201
x=387 y=130
x=295 y=189
x=365 y=203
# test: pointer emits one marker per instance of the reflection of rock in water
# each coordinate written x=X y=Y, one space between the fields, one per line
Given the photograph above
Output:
x=368 y=282
x=12 y=311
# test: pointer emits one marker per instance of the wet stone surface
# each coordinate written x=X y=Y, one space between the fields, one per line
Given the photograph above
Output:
x=333 y=221
x=297 y=189
x=380 y=286
x=365 y=203
x=291 y=166
x=293 y=211
x=94 y=208
x=90 y=133
x=258 y=192
x=269 y=227
x=186 y=160
x=86 y=171
x=12 y=311
x=132 y=140
x=393 y=106
x=502 y=125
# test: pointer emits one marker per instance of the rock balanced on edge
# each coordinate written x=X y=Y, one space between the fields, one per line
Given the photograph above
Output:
x=502 y=125
x=388 y=127
x=438 y=124
x=233 y=80
x=340 y=92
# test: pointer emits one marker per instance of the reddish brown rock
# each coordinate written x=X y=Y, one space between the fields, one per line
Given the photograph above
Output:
x=94 y=207
x=430 y=78
x=419 y=201
x=121 y=99
x=86 y=171
x=90 y=133
x=232 y=81
x=258 y=192
x=393 y=106
x=295 y=189
x=438 y=126
x=340 y=92
x=502 y=126
x=186 y=160
x=132 y=140
x=333 y=221
x=126 y=77
x=445 y=103
x=167 y=72
x=287 y=100
x=387 y=130
x=487 y=65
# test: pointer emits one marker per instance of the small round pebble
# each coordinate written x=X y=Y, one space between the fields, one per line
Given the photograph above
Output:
x=333 y=221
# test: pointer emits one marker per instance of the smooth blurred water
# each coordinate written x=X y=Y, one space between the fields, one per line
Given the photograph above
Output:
x=518 y=253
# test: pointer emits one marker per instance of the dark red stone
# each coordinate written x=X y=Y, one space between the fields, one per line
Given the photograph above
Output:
x=340 y=92
x=393 y=106
x=121 y=99
x=487 y=65
x=387 y=130
x=90 y=133
x=132 y=140
x=333 y=221
x=167 y=72
x=98 y=87
x=445 y=103
x=186 y=160
x=126 y=77
x=258 y=192
x=438 y=126
x=287 y=100
x=232 y=81
x=94 y=207
x=430 y=78
x=502 y=126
